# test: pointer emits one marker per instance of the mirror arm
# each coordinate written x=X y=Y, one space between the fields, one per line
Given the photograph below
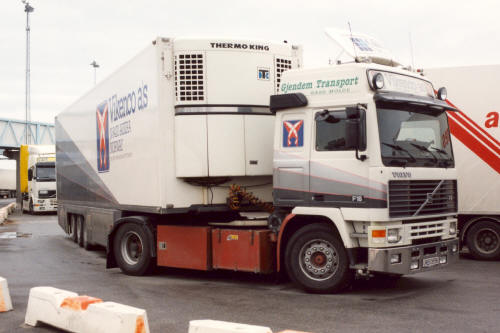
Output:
x=360 y=157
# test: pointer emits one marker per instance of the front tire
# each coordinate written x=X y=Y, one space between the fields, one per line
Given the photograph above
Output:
x=317 y=261
x=31 y=209
x=131 y=247
x=483 y=240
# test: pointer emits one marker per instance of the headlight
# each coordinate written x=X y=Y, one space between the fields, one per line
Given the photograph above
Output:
x=378 y=81
x=453 y=228
x=43 y=192
x=393 y=235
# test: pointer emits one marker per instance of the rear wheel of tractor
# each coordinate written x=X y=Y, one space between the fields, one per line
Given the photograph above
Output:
x=131 y=247
x=72 y=228
x=483 y=240
x=316 y=260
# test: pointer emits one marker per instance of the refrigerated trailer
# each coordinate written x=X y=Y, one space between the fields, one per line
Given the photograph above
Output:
x=476 y=145
x=182 y=159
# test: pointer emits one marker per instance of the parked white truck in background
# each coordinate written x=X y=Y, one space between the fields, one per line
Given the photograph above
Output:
x=353 y=160
x=476 y=145
x=38 y=178
x=7 y=182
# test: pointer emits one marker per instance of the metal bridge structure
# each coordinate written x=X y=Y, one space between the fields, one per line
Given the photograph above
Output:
x=14 y=133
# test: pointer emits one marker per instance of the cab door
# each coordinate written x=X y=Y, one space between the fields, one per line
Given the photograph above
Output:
x=291 y=158
x=337 y=177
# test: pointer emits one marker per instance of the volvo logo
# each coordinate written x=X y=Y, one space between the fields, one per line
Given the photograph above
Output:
x=430 y=197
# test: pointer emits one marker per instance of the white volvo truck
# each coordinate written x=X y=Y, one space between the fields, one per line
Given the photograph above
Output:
x=37 y=176
x=180 y=159
x=476 y=145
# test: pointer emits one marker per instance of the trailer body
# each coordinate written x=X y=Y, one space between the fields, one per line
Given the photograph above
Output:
x=7 y=183
x=476 y=144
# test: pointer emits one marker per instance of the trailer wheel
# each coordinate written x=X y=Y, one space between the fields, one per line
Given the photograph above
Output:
x=483 y=240
x=79 y=230
x=316 y=260
x=72 y=228
x=131 y=247
x=85 y=241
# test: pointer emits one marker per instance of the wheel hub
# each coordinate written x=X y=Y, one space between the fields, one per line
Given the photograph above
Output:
x=318 y=259
x=487 y=240
x=131 y=248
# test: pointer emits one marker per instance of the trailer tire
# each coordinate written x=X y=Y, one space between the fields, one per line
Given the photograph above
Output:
x=85 y=236
x=72 y=228
x=131 y=249
x=483 y=240
x=316 y=260
x=79 y=230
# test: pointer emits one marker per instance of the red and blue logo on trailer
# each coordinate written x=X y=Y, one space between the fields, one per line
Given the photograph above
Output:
x=293 y=133
x=102 y=118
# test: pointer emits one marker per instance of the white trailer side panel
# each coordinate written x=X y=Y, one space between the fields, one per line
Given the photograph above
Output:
x=119 y=161
x=476 y=133
x=8 y=179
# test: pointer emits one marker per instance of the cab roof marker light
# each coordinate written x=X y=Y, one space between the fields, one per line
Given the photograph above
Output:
x=442 y=94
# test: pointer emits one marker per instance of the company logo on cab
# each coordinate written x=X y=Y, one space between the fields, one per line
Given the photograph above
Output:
x=102 y=114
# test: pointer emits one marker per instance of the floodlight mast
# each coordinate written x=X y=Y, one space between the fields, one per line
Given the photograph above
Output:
x=27 y=9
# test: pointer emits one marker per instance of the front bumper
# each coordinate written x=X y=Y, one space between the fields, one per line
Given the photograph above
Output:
x=48 y=205
x=428 y=256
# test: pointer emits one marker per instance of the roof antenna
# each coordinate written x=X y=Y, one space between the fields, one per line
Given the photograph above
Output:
x=352 y=40
x=411 y=51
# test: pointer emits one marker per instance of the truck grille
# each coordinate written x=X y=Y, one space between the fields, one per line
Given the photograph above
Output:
x=49 y=194
x=415 y=198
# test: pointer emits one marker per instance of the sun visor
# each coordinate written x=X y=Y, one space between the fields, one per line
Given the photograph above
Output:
x=397 y=98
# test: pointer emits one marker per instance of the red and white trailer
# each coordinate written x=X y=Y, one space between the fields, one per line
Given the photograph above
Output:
x=476 y=135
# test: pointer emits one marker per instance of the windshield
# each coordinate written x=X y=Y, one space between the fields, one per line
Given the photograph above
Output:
x=411 y=136
x=47 y=173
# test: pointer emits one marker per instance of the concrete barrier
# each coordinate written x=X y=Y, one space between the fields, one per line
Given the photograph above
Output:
x=5 y=301
x=82 y=314
x=214 y=326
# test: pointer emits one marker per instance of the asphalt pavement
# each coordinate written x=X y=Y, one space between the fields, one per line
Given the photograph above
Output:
x=461 y=298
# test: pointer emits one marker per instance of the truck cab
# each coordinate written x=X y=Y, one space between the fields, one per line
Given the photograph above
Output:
x=363 y=162
x=38 y=182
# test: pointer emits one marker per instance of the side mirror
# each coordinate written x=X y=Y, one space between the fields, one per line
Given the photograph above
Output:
x=30 y=174
x=352 y=134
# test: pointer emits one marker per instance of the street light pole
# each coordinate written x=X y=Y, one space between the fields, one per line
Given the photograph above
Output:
x=28 y=9
x=95 y=65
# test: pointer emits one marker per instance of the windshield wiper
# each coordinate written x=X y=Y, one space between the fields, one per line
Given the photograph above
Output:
x=446 y=162
x=399 y=148
x=439 y=150
x=424 y=148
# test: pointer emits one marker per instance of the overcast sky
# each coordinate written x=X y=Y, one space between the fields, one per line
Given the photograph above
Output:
x=67 y=35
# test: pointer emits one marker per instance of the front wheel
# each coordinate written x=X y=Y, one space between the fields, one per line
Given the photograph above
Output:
x=32 y=211
x=316 y=260
x=483 y=240
x=131 y=247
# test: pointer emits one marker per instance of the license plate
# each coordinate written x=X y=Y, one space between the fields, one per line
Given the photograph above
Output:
x=429 y=262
